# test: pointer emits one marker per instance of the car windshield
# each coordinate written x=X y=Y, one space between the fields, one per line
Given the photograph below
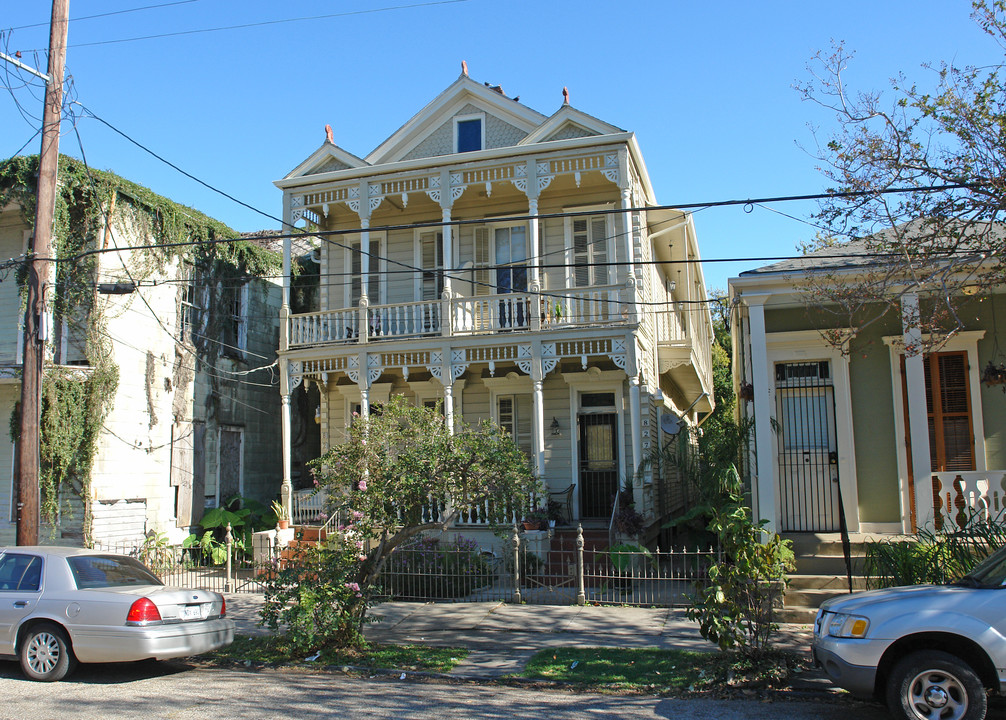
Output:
x=991 y=572
x=101 y=571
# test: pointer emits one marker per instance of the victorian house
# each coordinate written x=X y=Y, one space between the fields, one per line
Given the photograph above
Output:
x=513 y=266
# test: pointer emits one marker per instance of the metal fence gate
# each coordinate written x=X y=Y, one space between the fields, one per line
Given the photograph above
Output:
x=808 y=447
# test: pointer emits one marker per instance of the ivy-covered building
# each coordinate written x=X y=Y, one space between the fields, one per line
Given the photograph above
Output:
x=159 y=395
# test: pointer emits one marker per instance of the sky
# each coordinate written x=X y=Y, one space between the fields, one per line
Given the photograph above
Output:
x=707 y=87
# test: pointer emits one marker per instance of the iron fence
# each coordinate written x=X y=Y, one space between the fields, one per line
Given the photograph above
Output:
x=545 y=569
x=228 y=566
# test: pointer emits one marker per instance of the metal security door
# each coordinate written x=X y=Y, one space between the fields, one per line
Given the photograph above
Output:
x=808 y=447
x=598 y=465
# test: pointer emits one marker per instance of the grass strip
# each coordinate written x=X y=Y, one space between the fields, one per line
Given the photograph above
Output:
x=648 y=669
x=274 y=650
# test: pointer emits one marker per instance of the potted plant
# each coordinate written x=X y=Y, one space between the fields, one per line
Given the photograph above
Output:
x=536 y=519
x=994 y=374
x=629 y=522
x=282 y=519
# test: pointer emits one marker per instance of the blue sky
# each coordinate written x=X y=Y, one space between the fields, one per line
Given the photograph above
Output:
x=707 y=88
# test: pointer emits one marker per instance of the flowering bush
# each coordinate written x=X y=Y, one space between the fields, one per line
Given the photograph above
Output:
x=313 y=592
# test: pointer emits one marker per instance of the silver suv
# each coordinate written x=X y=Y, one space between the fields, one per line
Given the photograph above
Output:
x=930 y=651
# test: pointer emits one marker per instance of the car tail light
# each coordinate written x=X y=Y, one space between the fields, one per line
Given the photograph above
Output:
x=223 y=607
x=143 y=612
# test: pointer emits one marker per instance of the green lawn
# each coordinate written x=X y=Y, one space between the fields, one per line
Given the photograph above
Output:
x=394 y=657
x=648 y=669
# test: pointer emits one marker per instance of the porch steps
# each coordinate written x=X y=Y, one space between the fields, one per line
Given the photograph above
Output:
x=820 y=573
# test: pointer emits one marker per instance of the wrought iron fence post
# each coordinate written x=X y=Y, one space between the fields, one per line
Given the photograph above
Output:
x=581 y=597
x=229 y=540
x=516 y=566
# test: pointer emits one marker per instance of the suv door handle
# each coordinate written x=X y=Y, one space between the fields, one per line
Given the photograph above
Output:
x=21 y=603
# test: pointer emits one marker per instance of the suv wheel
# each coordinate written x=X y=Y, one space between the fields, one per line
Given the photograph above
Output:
x=934 y=685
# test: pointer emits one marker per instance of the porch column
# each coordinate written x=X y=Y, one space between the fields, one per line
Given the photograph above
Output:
x=535 y=242
x=538 y=426
x=286 y=487
x=635 y=408
x=449 y=406
x=364 y=258
x=764 y=485
x=918 y=413
x=448 y=250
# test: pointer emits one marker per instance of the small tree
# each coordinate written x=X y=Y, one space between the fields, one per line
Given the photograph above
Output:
x=943 y=237
x=736 y=610
x=402 y=472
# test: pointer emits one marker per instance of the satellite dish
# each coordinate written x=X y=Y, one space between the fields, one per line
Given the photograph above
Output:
x=670 y=424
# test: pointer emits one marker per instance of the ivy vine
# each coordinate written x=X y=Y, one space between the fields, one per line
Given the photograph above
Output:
x=76 y=401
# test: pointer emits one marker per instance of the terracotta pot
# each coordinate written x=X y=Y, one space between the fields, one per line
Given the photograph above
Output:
x=283 y=524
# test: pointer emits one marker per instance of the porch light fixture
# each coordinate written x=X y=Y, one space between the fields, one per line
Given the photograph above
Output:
x=554 y=427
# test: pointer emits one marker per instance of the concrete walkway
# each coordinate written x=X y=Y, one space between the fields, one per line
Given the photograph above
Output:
x=502 y=637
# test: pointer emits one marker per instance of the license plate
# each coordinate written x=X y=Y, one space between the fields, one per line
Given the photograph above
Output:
x=192 y=612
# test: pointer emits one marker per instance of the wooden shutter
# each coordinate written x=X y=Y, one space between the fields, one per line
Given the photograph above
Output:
x=432 y=251
x=482 y=275
x=599 y=249
x=580 y=253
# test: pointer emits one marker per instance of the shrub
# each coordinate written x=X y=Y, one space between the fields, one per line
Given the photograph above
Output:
x=314 y=593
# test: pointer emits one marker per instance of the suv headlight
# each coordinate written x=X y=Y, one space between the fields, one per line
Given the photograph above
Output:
x=848 y=626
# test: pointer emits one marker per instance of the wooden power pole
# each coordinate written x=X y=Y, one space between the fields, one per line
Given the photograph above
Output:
x=35 y=330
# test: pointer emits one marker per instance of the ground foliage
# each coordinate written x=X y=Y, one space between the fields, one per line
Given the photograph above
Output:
x=75 y=403
x=943 y=244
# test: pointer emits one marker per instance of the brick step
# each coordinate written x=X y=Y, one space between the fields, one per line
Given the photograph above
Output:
x=799 y=615
x=826 y=582
x=310 y=533
x=814 y=564
x=810 y=599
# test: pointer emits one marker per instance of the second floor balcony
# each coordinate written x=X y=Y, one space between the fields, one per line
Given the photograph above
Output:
x=597 y=306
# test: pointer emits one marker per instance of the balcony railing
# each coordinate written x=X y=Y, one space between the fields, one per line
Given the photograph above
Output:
x=482 y=314
x=959 y=496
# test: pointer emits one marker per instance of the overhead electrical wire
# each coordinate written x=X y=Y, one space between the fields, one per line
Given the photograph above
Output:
x=109 y=14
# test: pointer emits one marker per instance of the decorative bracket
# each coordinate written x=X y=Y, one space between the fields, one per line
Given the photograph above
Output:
x=295 y=370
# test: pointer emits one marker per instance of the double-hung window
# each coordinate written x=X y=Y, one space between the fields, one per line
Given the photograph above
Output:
x=513 y=413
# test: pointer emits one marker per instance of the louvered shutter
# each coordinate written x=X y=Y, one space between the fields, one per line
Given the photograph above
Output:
x=599 y=249
x=581 y=253
x=432 y=251
x=523 y=435
x=355 y=270
x=482 y=274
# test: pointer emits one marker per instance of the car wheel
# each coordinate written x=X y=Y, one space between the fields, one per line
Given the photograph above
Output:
x=45 y=653
x=934 y=685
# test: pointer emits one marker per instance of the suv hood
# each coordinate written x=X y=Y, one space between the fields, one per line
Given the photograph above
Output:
x=911 y=593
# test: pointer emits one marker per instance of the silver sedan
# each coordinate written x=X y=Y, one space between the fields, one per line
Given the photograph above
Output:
x=60 y=606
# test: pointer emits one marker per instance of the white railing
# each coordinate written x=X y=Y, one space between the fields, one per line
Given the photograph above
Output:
x=483 y=314
x=492 y=313
x=309 y=507
x=325 y=327
x=587 y=306
x=403 y=320
x=961 y=495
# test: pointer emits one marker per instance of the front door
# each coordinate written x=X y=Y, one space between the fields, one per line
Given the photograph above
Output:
x=808 y=447
x=598 y=465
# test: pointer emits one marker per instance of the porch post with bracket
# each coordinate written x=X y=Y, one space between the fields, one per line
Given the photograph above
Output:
x=447 y=297
x=286 y=488
x=918 y=413
x=448 y=383
x=635 y=408
x=762 y=379
x=538 y=409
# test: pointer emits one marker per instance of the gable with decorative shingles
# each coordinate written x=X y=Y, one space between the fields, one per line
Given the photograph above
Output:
x=569 y=131
x=498 y=133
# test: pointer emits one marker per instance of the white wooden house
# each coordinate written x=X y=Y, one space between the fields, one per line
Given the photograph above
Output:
x=513 y=266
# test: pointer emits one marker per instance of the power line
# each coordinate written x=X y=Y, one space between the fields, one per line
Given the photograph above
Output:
x=109 y=14
x=244 y=26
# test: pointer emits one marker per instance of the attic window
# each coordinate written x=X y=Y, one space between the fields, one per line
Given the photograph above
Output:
x=468 y=133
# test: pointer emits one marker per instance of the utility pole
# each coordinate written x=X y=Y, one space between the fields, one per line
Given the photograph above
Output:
x=35 y=329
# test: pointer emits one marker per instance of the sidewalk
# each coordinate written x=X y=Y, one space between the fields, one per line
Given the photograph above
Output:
x=502 y=637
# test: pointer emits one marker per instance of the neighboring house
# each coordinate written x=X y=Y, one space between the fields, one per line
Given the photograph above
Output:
x=850 y=423
x=192 y=418
x=479 y=257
